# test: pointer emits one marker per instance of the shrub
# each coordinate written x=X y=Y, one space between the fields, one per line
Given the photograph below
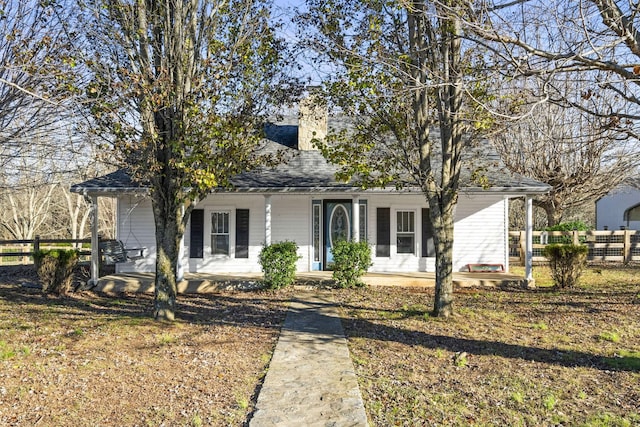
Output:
x=351 y=261
x=278 y=262
x=566 y=263
x=569 y=226
x=56 y=269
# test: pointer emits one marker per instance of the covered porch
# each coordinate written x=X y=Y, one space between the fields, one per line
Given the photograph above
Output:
x=211 y=283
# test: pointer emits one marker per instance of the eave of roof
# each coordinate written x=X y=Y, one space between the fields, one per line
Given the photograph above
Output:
x=309 y=172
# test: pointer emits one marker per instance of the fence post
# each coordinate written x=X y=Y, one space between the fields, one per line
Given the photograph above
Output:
x=36 y=248
x=576 y=237
x=523 y=246
x=627 y=246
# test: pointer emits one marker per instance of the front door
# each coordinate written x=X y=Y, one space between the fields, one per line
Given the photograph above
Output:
x=337 y=226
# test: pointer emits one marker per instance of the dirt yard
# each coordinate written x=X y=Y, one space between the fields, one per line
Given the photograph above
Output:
x=97 y=360
x=507 y=358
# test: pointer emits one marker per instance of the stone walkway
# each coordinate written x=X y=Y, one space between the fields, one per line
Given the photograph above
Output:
x=311 y=380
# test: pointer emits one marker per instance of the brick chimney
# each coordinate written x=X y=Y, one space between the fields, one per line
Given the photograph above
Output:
x=312 y=119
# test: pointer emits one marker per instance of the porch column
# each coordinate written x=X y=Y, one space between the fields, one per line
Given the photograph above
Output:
x=507 y=240
x=528 y=260
x=355 y=230
x=267 y=220
x=95 y=245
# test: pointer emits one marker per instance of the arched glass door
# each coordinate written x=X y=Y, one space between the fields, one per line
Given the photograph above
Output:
x=337 y=226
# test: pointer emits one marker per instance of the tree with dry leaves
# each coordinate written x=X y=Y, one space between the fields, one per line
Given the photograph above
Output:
x=180 y=91
x=400 y=70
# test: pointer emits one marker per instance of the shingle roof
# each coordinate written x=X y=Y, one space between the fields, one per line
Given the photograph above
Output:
x=308 y=171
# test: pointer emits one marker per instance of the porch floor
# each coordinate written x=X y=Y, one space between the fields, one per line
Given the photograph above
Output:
x=207 y=283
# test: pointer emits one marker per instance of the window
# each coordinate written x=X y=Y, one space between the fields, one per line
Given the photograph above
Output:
x=317 y=218
x=363 y=221
x=220 y=233
x=405 y=232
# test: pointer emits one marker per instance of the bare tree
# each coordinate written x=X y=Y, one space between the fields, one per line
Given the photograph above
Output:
x=593 y=42
x=26 y=211
x=578 y=154
x=36 y=77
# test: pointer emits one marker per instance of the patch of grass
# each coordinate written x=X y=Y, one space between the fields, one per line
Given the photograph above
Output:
x=610 y=420
x=550 y=402
x=243 y=403
x=541 y=326
x=609 y=336
x=518 y=397
x=196 y=421
x=166 y=339
x=534 y=356
x=359 y=361
x=70 y=342
x=6 y=352
x=461 y=360
x=78 y=332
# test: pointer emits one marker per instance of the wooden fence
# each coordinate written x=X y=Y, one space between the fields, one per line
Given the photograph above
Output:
x=15 y=252
x=604 y=246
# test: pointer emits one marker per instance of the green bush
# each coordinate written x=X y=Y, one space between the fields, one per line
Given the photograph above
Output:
x=278 y=262
x=351 y=261
x=569 y=226
x=566 y=262
x=55 y=269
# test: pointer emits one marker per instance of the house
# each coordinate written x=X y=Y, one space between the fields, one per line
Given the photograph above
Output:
x=620 y=208
x=302 y=201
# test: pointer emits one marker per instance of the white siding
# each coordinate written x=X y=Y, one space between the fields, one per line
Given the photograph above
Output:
x=135 y=228
x=611 y=208
x=291 y=220
x=479 y=234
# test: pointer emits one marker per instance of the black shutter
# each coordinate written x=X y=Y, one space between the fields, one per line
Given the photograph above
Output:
x=428 y=247
x=196 y=247
x=242 y=233
x=383 y=235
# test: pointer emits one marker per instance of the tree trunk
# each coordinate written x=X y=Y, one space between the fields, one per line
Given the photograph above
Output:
x=443 y=238
x=169 y=231
x=552 y=211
